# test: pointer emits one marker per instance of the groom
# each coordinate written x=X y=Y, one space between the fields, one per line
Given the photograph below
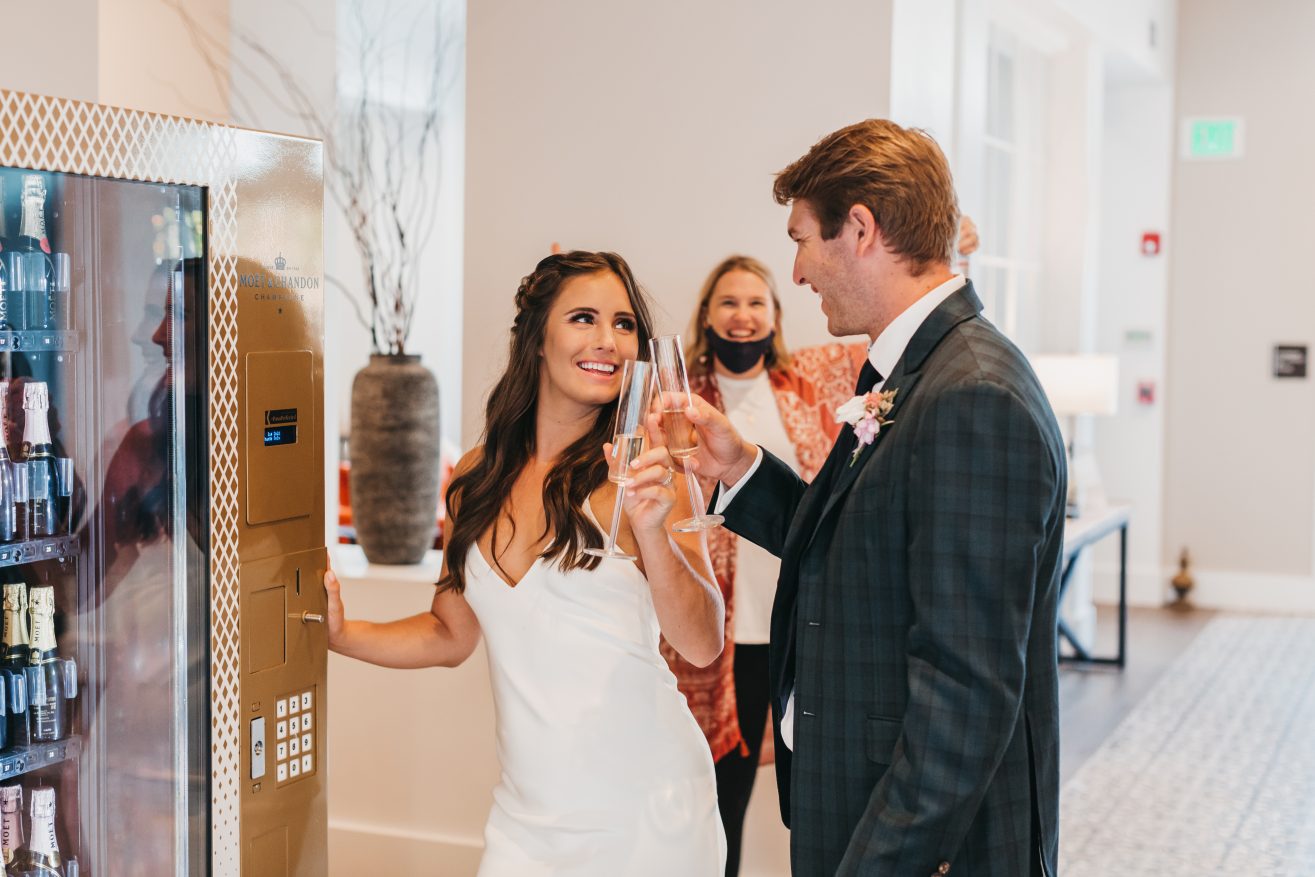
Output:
x=912 y=652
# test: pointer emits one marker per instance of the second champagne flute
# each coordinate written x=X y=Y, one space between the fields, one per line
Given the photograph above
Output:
x=627 y=443
x=682 y=440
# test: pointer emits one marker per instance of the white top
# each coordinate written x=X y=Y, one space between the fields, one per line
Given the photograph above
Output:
x=751 y=406
x=884 y=354
x=604 y=769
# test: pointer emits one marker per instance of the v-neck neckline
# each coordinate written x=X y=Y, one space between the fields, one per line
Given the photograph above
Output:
x=493 y=569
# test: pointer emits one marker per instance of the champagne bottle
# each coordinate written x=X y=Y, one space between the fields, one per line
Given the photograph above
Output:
x=17 y=636
x=39 y=455
x=8 y=513
x=51 y=680
x=41 y=858
x=11 y=825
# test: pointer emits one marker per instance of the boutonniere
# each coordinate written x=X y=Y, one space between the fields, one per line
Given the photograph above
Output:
x=867 y=415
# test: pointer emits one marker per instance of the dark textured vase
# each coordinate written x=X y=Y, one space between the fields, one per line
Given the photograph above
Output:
x=394 y=454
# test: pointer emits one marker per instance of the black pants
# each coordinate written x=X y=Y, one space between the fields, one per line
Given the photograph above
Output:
x=736 y=772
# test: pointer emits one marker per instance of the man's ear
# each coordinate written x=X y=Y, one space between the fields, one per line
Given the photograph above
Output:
x=866 y=233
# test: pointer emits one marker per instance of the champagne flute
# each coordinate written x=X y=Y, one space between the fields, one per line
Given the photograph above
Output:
x=628 y=439
x=682 y=440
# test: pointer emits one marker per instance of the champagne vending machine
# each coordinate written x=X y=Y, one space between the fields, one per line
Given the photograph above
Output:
x=162 y=677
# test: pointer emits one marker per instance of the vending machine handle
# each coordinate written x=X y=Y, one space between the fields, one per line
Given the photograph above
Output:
x=36 y=685
x=18 y=697
x=70 y=670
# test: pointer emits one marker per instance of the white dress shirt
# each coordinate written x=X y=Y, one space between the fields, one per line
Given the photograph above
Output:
x=884 y=353
x=750 y=405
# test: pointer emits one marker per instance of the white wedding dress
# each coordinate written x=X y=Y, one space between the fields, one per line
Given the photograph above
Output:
x=604 y=770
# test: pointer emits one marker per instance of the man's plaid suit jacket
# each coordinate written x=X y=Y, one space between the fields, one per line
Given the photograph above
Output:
x=915 y=621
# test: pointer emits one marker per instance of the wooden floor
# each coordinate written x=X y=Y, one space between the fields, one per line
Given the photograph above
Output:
x=1093 y=701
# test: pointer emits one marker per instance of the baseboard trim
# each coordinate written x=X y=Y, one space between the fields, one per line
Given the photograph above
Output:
x=358 y=848
x=1214 y=589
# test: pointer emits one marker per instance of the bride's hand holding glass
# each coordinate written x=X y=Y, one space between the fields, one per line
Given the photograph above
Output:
x=650 y=495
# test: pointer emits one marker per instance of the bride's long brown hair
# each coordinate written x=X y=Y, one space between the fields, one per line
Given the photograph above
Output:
x=475 y=497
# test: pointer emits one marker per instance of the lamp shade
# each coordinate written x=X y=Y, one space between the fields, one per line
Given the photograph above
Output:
x=1084 y=383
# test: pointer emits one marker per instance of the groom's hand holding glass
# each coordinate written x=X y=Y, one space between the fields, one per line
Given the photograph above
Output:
x=722 y=452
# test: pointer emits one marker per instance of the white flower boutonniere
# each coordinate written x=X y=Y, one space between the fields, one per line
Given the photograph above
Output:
x=867 y=415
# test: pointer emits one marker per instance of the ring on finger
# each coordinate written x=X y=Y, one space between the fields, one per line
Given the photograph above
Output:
x=667 y=479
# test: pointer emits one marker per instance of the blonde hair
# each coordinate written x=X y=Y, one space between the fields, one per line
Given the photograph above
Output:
x=698 y=360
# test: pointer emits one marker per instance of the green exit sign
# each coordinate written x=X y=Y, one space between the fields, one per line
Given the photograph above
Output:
x=1212 y=138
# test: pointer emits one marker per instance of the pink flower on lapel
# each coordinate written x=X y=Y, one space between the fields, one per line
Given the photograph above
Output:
x=868 y=415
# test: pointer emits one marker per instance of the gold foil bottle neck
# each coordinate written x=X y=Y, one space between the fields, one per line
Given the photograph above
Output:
x=33 y=224
x=42 y=602
x=15 y=597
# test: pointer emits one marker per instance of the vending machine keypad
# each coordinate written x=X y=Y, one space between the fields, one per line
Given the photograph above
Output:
x=293 y=755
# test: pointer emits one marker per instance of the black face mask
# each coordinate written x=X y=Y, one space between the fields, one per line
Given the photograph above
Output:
x=738 y=356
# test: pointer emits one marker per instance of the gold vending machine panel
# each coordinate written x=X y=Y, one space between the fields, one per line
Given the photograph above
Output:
x=162 y=524
x=280 y=375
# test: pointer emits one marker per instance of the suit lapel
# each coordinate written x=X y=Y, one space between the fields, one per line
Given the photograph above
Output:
x=960 y=306
x=847 y=473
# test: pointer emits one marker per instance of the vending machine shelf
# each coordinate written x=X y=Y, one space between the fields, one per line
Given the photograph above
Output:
x=39 y=339
x=33 y=550
x=24 y=759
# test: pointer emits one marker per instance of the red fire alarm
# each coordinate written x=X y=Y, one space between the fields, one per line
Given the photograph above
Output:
x=1150 y=243
x=1146 y=392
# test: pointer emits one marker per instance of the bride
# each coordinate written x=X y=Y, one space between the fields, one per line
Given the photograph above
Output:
x=604 y=770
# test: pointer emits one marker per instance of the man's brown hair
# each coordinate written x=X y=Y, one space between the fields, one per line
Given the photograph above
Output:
x=899 y=174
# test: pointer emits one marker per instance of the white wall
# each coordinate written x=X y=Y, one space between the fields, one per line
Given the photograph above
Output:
x=1240 y=488
x=25 y=64
x=97 y=55
x=148 y=58
x=653 y=130
x=924 y=68
x=1133 y=323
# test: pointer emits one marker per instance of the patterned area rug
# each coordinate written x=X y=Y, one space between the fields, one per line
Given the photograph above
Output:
x=1213 y=773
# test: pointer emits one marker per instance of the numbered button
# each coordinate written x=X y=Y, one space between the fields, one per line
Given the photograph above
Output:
x=305 y=742
x=294 y=704
x=282 y=730
x=305 y=722
x=281 y=709
x=294 y=747
x=305 y=701
x=282 y=752
x=294 y=768
x=307 y=763
x=283 y=772
x=294 y=725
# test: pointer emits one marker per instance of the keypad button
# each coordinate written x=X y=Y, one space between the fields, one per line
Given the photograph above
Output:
x=294 y=747
x=305 y=742
x=283 y=772
x=281 y=709
x=283 y=752
x=294 y=704
x=294 y=725
x=282 y=730
x=305 y=701
x=294 y=768
x=305 y=722
x=307 y=763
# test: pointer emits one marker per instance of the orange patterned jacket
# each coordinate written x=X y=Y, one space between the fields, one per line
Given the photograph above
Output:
x=817 y=382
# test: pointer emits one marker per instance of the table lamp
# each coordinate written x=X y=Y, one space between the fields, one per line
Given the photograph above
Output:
x=1078 y=384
